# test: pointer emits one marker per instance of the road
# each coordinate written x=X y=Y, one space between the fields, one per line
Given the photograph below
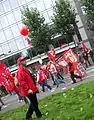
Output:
x=12 y=101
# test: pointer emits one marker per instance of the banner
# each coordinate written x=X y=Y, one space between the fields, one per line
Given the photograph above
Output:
x=70 y=56
x=6 y=79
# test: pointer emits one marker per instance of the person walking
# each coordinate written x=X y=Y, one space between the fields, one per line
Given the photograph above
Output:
x=28 y=88
x=58 y=72
x=49 y=72
x=42 y=79
x=85 y=55
x=71 y=70
x=1 y=103
x=16 y=89
x=82 y=60
x=54 y=72
x=91 y=55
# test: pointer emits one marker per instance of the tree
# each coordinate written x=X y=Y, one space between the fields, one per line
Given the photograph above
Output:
x=65 y=20
x=89 y=9
x=39 y=30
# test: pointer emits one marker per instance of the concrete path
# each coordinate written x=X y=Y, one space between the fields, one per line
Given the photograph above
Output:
x=12 y=101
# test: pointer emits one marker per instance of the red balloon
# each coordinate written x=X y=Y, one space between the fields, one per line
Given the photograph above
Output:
x=24 y=31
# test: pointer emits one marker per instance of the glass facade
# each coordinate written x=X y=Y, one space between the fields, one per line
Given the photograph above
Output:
x=10 y=23
x=12 y=44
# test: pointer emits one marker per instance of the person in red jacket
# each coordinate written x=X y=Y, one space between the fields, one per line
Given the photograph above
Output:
x=42 y=79
x=16 y=89
x=71 y=70
x=28 y=88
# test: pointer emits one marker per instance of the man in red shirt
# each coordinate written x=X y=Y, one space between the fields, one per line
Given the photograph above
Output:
x=28 y=88
x=42 y=79
x=71 y=70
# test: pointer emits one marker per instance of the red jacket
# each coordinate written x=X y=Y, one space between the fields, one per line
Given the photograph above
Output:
x=71 y=69
x=25 y=81
x=41 y=76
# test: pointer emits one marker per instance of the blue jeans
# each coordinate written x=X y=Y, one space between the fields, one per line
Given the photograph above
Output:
x=43 y=84
x=57 y=80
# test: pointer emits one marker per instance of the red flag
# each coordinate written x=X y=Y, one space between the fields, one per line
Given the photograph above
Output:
x=84 y=46
x=52 y=54
x=70 y=56
x=63 y=45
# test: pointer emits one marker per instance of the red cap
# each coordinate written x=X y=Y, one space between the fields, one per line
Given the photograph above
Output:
x=20 y=59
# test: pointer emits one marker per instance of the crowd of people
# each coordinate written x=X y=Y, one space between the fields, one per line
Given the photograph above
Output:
x=84 y=57
x=25 y=83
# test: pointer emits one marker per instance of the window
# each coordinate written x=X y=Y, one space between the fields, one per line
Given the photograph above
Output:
x=24 y=53
x=17 y=14
x=4 y=21
x=50 y=13
x=1 y=51
x=15 y=30
x=14 y=3
x=11 y=61
x=0 y=25
x=28 y=1
x=13 y=46
x=2 y=37
x=21 y=2
x=32 y=5
x=6 y=5
x=1 y=8
x=53 y=1
x=8 y=34
x=11 y=18
x=40 y=5
x=48 y=3
x=20 y=43
x=5 y=48
x=20 y=25
x=26 y=43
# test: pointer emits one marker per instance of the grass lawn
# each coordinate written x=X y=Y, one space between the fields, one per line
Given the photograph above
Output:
x=75 y=104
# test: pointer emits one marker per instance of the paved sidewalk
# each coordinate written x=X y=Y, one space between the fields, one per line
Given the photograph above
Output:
x=12 y=101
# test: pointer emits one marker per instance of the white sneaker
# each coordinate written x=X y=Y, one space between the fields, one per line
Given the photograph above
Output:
x=20 y=101
x=4 y=106
x=64 y=88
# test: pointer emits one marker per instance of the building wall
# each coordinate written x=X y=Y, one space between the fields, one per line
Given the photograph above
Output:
x=10 y=23
x=83 y=28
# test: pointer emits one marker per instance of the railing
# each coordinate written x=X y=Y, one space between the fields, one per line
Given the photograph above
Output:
x=43 y=56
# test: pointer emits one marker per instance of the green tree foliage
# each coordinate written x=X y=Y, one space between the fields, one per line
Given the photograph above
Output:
x=65 y=19
x=89 y=9
x=39 y=31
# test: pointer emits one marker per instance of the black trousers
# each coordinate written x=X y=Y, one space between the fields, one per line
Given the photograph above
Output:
x=73 y=76
x=33 y=106
x=60 y=76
